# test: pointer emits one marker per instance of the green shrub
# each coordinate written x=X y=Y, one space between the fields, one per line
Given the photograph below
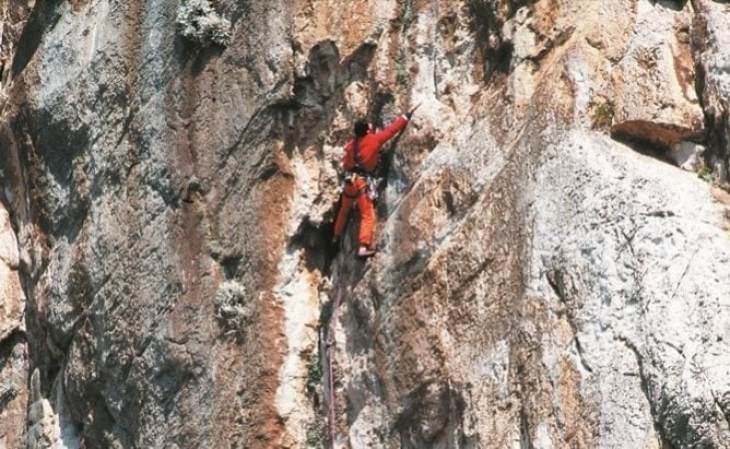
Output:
x=705 y=174
x=315 y=437
x=314 y=373
x=602 y=116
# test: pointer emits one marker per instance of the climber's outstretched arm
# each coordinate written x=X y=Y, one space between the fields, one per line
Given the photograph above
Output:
x=396 y=127
x=392 y=129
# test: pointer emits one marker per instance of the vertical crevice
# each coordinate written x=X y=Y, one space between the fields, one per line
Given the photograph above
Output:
x=495 y=52
x=525 y=438
x=716 y=110
x=43 y=17
x=663 y=439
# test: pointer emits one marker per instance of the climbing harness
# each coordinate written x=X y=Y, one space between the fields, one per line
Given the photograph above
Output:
x=370 y=187
x=358 y=172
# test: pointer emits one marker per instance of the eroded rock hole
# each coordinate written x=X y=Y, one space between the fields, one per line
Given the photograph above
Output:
x=501 y=58
x=309 y=112
x=431 y=416
x=230 y=265
x=643 y=146
x=666 y=143
x=495 y=51
x=316 y=240
x=323 y=67
x=356 y=65
x=676 y=5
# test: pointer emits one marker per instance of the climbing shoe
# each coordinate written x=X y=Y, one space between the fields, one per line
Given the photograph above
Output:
x=364 y=251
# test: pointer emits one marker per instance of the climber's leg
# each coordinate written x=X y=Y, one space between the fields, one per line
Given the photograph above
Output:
x=367 y=220
x=342 y=214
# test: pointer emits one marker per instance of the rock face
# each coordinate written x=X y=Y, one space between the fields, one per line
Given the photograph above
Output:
x=711 y=46
x=13 y=350
x=654 y=79
x=547 y=276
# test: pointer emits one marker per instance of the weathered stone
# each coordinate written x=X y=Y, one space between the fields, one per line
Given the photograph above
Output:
x=655 y=99
x=13 y=390
x=657 y=325
x=711 y=48
x=13 y=350
x=538 y=283
x=688 y=155
x=199 y=22
x=12 y=299
x=43 y=426
x=233 y=306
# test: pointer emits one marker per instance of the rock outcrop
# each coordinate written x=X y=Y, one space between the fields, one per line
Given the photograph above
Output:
x=711 y=45
x=13 y=350
x=547 y=276
x=654 y=80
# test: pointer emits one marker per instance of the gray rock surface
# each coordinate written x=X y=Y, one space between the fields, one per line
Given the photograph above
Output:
x=546 y=278
x=688 y=155
x=711 y=46
x=631 y=259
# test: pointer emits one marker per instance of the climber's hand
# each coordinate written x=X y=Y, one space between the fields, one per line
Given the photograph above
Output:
x=410 y=113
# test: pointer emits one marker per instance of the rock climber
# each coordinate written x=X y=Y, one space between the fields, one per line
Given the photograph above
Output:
x=361 y=158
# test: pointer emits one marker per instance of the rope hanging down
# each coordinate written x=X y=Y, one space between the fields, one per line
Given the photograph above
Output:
x=329 y=347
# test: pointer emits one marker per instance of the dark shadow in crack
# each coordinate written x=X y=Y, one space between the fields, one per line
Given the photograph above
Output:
x=643 y=146
x=676 y=5
x=43 y=17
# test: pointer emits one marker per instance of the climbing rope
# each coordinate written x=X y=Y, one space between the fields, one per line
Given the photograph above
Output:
x=434 y=37
x=329 y=347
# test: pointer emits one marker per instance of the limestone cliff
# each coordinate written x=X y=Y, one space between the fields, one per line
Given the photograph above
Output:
x=554 y=247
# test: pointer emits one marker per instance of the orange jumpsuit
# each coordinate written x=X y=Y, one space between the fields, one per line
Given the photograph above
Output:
x=356 y=188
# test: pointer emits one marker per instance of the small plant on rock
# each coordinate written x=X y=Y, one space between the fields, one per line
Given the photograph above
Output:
x=314 y=373
x=200 y=23
x=705 y=174
x=602 y=114
x=315 y=436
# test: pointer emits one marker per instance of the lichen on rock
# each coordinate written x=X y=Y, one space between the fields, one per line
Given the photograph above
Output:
x=232 y=306
x=200 y=23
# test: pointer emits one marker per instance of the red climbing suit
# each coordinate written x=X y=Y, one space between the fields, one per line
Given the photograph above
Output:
x=356 y=186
